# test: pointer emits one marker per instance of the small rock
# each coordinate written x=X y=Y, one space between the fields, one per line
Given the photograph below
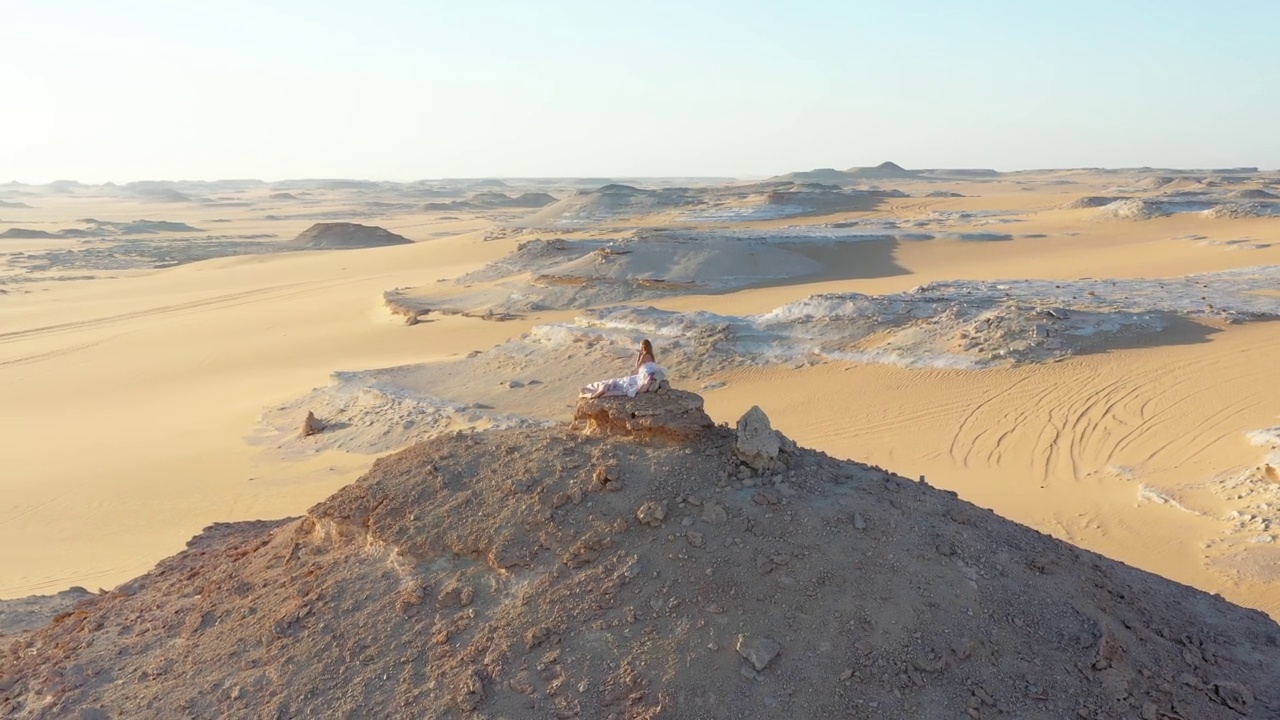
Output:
x=1236 y=696
x=652 y=513
x=311 y=426
x=759 y=651
x=1110 y=652
x=714 y=513
x=859 y=522
x=695 y=539
x=766 y=497
x=1115 y=685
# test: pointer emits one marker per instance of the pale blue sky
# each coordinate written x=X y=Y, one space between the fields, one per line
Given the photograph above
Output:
x=135 y=89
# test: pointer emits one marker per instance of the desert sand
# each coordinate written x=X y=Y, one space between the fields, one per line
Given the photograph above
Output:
x=153 y=377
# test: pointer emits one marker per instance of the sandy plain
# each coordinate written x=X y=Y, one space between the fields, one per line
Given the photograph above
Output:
x=144 y=395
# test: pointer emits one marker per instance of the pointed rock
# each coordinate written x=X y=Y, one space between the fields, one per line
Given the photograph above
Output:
x=311 y=425
x=758 y=443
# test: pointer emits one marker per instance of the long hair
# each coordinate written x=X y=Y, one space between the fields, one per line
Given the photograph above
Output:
x=646 y=348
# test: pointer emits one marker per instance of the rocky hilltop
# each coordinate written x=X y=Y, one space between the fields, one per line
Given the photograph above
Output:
x=642 y=563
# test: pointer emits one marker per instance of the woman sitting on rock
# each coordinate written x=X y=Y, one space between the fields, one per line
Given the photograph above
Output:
x=648 y=376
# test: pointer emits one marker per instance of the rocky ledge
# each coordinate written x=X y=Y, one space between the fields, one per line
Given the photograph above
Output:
x=667 y=414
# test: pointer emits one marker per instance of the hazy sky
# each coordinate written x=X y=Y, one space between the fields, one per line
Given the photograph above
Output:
x=132 y=89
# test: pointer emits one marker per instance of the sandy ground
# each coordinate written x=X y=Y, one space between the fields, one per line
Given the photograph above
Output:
x=129 y=401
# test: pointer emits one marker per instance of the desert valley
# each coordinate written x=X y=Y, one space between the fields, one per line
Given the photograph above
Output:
x=1017 y=410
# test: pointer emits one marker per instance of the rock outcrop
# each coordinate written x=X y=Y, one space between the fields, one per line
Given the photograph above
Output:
x=311 y=425
x=672 y=415
x=29 y=613
x=758 y=443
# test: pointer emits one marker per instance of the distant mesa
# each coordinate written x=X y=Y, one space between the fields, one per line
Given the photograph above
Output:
x=343 y=184
x=27 y=234
x=526 y=200
x=821 y=175
x=347 y=236
x=98 y=228
x=964 y=173
x=447 y=206
x=610 y=202
x=65 y=187
x=1090 y=201
x=1251 y=194
x=492 y=200
x=486 y=183
x=420 y=191
x=282 y=196
x=9 y=204
x=883 y=171
x=155 y=191
x=139 y=227
x=616 y=189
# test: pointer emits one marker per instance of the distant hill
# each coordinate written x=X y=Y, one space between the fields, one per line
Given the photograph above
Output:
x=826 y=176
x=883 y=171
x=526 y=200
x=347 y=236
x=26 y=234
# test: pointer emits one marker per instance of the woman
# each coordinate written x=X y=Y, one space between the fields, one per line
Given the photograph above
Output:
x=646 y=378
x=645 y=355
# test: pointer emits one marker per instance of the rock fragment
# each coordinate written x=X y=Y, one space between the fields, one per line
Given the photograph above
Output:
x=652 y=513
x=1236 y=696
x=758 y=650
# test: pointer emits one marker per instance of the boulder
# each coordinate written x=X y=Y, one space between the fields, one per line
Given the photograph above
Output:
x=758 y=443
x=759 y=651
x=672 y=415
